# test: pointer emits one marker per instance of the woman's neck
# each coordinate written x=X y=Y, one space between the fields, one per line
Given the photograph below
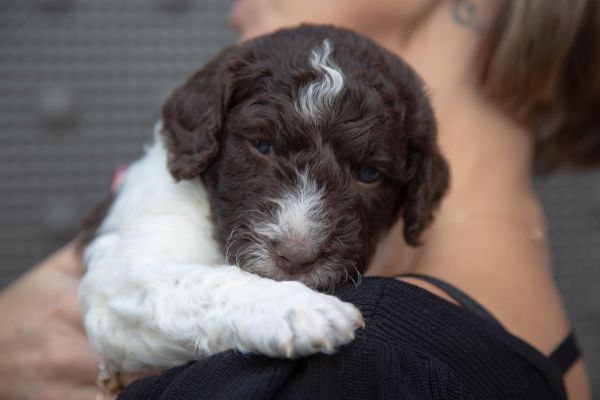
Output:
x=489 y=153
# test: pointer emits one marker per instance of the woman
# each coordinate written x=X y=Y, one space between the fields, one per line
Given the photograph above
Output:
x=501 y=76
x=502 y=82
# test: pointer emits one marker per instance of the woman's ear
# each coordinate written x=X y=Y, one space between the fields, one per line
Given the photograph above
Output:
x=428 y=181
x=193 y=118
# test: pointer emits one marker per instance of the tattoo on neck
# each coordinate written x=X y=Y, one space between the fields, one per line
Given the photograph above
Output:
x=464 y=13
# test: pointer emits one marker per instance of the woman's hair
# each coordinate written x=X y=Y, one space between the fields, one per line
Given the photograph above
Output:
x=541 y=60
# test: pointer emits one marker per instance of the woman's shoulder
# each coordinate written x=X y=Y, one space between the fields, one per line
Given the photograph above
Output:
x=415 y=345
x=365 y=369
x=480 y=351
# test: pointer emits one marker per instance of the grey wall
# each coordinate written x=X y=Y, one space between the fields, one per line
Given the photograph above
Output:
x=81 y=82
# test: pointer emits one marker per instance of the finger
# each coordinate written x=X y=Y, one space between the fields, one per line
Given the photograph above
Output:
x=69 y=308
x=83 y=363
x=66 y=259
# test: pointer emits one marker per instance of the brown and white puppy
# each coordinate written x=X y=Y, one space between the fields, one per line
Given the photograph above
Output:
x=288 y=156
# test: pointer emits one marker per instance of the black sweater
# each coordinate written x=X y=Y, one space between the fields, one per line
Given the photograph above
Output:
x=415 y=346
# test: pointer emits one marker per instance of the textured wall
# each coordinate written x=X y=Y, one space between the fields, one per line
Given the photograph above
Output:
x=81 y=82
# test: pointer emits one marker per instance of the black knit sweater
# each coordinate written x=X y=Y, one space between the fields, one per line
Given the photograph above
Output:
x=415 y=346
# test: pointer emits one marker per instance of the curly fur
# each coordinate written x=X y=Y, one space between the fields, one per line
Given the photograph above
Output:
x=168 y=269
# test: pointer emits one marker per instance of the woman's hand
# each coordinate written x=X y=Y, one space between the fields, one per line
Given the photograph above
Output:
x=44 y=353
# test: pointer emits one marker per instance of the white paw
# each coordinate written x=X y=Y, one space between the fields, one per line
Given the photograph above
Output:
x=305 y=322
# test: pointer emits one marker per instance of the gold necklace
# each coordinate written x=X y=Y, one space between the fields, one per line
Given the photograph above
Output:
x=535 y=233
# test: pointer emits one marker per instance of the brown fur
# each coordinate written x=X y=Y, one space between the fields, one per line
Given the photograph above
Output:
x=381 y=119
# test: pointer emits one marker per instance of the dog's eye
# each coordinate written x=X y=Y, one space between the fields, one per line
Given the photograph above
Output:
x=368 y=174
x=264 y=147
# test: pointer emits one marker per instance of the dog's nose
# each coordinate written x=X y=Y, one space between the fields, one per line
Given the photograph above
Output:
x=295 y=257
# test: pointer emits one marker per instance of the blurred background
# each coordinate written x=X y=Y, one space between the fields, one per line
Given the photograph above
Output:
x=81 y=84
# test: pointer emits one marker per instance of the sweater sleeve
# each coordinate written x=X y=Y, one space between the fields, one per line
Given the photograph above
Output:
x=415 y=346
x=356 y=372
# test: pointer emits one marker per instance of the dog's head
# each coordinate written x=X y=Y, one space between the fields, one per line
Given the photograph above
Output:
x=311 y=142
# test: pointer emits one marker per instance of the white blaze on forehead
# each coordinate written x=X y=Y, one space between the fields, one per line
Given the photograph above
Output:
x=299 y=215
x=317 y=97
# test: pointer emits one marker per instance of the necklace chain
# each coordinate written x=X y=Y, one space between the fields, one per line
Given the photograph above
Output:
x=535 y=233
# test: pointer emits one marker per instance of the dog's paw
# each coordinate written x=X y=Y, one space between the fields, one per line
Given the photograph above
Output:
x=305 y=322
x=321 y=325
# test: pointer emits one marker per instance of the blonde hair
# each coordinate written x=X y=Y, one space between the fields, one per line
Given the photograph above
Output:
x=541 y=61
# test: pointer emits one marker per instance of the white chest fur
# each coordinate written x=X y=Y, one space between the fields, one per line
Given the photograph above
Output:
x=156 y=292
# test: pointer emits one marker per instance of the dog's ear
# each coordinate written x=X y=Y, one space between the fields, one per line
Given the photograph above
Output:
x=193 y=118
x=428 y=179
x=426 y=171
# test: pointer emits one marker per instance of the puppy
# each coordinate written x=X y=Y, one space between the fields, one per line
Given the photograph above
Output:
x=276 y=170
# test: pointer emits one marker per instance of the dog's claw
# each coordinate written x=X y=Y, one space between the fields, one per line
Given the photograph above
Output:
x=288 y=349
x=360 y=323
x=308 y=323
